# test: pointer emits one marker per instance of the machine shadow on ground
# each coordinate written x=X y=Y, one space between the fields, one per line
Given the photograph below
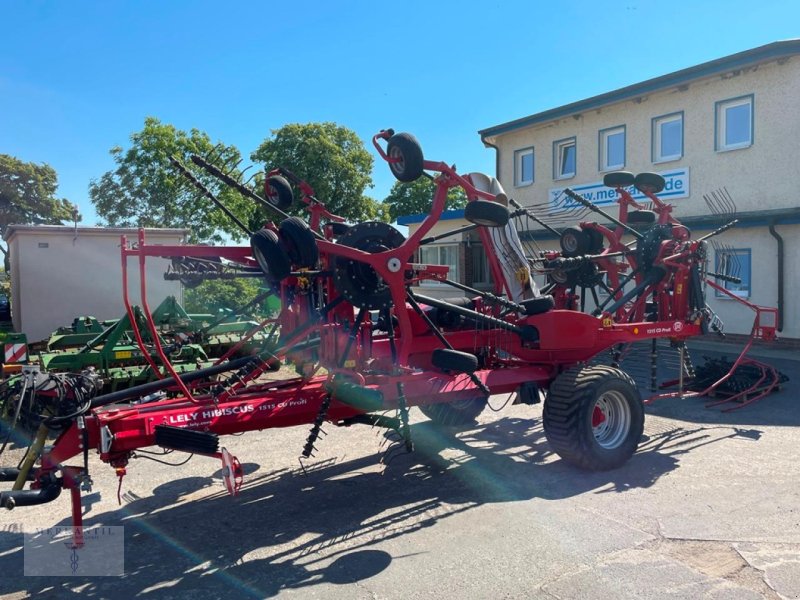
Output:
x=288 y=530
x=779 y=408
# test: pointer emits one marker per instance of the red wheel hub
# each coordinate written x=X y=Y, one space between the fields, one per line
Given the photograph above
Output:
x=598 y=416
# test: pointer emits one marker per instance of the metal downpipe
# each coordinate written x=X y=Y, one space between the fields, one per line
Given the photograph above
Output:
x=779 y=239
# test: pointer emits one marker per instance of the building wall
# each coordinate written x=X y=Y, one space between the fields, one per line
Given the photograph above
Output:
x=457 y=241
x=754 y=176
x=758 y=178
x=764 y=283
x=57 y=276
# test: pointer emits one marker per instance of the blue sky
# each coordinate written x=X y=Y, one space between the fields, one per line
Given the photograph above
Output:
x=78 y=77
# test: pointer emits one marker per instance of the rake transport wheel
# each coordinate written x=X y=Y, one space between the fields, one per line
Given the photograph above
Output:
x=594 y=417
x=406 y=155
x=574 y=241
x=486 y=213
x=454 y=414
x=299 y=242
x=270 y=255
x=278 y=192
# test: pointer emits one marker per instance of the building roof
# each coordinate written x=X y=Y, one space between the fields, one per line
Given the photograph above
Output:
x=775 y=50
x=447 y=215
x=12 y=230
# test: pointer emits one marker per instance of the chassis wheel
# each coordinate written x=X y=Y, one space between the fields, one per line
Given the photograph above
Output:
x=278 y=192
x=405 y=150
x=299 y=242
x=594 y=417
x=486 y=213
x=575 y=241
x=539 y=305
x=269 y=255
x=451 y=414
x=641 y=218
x=596 y=240
x=618 y=179
x=337 y=230
x=649 y=182
x=454 y=361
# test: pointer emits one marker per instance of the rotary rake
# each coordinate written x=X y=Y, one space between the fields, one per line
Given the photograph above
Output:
x=367 y=346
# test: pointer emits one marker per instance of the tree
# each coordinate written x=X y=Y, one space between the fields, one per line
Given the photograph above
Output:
x=214 y=295
x=331 y=158
x=146 y=190
x=28 y=196
x=417 y=197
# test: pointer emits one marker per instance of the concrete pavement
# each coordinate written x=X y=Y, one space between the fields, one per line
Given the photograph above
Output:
x=708 y=508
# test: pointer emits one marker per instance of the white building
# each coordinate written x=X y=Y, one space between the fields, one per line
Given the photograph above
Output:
x=59 y=273
x=730 y=124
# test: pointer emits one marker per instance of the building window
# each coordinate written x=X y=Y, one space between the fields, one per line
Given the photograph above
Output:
x=736 y=263
x=612 y=148
x=481 y=273
x=440 y=255
x=523 y=167
x=564 y=158
x=734 y=124
x=668 y=137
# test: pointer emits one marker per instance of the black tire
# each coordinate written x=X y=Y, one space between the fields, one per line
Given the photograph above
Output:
x=618 y=179
x=278 y=192
x=641 y=217
x=574 y=241
x=454 y=360
x=596 y=241
x=299 y=243
x=486 y=213
x=452 y=414
x=564 y=278
x=405 y=148
x=537 y=306
x=649 y=182
x=571 y=422
x=336 y=230
x=270 y=255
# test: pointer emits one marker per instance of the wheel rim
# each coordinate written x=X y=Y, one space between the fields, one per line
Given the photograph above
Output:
x=611 y=420
x=272 y=194
x=400 y=165
x=570 y=243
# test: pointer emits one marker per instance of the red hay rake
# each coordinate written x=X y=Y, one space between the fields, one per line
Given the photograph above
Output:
x=367 y=346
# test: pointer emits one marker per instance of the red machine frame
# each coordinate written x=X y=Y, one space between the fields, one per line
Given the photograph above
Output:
x=400 y=372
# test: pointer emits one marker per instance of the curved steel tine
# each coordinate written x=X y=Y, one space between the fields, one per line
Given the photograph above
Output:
x=215 y=153
x=730 y=201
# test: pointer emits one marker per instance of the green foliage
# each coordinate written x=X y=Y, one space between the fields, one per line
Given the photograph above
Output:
x=417 y=197
x=214 y=295
x=28 y=195
x=146 y=190
x=332 y=159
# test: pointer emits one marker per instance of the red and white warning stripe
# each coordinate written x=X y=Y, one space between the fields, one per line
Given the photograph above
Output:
x=16 y=353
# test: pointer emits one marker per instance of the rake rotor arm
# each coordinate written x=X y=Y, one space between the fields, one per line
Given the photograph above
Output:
x=522 y=210
x=723 y=277
x=208 y=194
x=433 y=238
x=242 y=189
x=593 y=207
x=719 y=230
